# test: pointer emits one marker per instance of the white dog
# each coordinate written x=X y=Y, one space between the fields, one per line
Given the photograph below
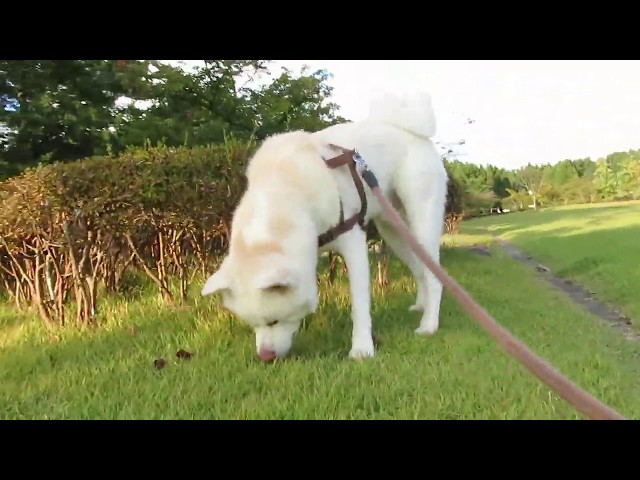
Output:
x=268 y=279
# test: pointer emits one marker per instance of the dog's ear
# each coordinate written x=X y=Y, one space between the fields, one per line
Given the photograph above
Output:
x=277 y=279
x=217 y=282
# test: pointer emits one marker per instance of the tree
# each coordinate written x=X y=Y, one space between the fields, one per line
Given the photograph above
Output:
x=295 y=103
x=630 y=177
x=65 y=108
x=604 y=178
x=531 y=179
x=74 y=109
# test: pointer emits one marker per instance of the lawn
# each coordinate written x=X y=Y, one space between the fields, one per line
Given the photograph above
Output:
x=596 y=245
x=460 y=373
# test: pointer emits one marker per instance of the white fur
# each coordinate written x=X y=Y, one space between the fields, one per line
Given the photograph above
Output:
x=269 y=273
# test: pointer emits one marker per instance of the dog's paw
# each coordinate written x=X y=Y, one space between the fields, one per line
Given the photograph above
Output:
x=362 y=350
x=416 y=308
x=428 y=329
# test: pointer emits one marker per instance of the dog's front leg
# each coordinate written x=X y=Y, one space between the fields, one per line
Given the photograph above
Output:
x=353 y=247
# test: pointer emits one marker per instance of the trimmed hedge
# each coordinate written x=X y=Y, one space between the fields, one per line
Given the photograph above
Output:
x=72 y=226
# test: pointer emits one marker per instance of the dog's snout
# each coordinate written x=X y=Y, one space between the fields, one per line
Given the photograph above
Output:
x=267 y=355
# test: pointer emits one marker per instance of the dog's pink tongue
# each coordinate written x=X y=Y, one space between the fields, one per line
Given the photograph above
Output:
x=267 y=355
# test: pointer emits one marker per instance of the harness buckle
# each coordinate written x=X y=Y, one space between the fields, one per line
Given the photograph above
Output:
x=359 y=161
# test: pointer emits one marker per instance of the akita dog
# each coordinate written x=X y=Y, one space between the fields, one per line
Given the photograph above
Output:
x=296 y=203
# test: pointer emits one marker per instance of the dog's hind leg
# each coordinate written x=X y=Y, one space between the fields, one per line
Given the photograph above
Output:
x=403 y=251
x=354 y=250
x=423 y=189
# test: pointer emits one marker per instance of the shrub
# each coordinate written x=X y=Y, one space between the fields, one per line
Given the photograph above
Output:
x=71 y=227
x=454 y=211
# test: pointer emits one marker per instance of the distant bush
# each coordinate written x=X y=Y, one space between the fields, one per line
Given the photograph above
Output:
x=454 y=211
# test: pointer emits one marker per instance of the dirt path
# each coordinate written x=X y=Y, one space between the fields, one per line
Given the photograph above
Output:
x=575 y=292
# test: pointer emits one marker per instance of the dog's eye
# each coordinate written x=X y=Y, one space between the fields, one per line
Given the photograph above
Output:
x=271 y=324
x=278 y=288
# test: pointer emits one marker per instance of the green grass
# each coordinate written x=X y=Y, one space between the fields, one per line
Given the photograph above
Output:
x=460 y=373
x=596 y=245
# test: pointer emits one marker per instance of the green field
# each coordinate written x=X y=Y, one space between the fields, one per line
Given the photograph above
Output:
x=597 y=245
x=460 y=373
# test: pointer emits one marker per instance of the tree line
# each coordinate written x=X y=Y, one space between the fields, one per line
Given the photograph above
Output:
x=615 y=177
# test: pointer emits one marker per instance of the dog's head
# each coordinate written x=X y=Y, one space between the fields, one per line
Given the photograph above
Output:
x=271 y=295
x=268 y=279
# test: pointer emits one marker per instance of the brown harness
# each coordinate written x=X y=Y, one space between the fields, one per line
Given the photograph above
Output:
x=343 y=226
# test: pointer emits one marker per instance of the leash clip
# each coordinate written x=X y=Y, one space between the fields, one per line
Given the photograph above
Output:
x=359 y=161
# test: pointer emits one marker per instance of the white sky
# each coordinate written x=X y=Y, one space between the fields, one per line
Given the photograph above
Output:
x=524 y=110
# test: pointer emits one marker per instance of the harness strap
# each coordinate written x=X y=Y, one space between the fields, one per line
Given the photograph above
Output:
x=346 y=158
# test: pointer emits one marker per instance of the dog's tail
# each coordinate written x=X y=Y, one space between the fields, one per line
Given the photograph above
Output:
x=413 y=113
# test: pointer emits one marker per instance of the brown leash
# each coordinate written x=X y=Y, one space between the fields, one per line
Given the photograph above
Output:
x=582 y=401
